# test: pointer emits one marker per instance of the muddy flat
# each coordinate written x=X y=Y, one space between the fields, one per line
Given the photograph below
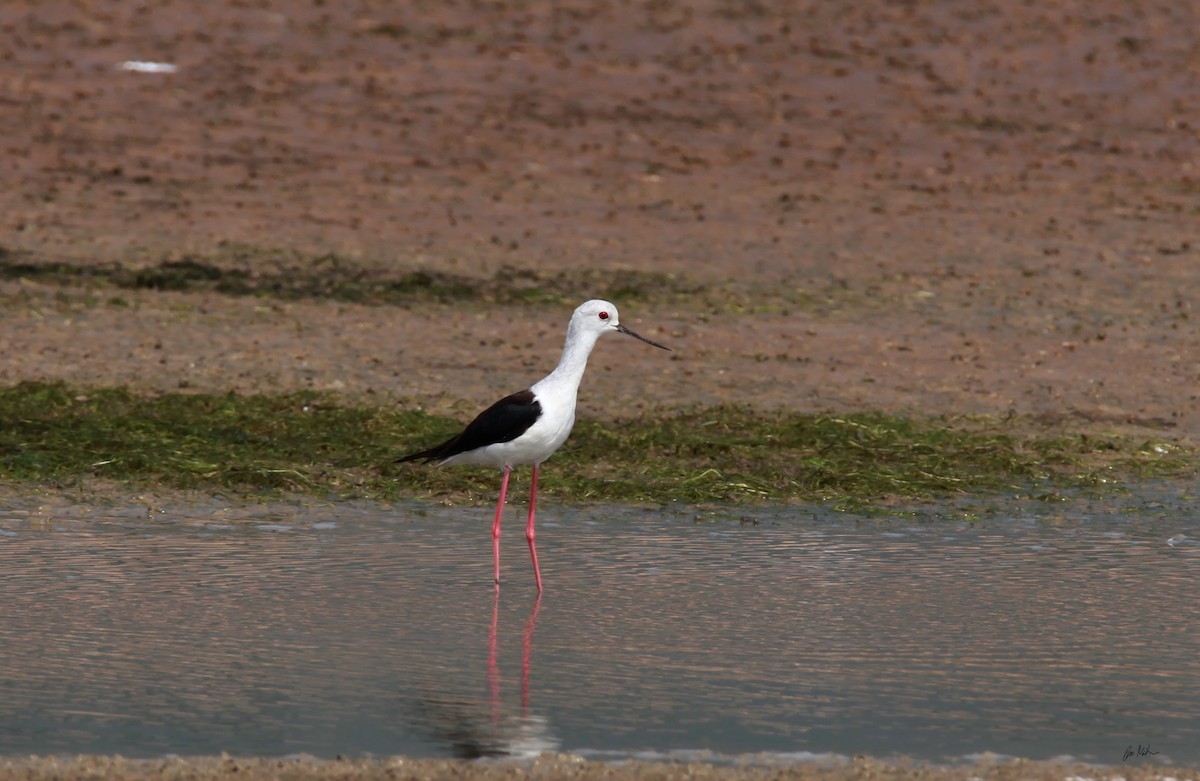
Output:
x=561 y=767
x=966 y=209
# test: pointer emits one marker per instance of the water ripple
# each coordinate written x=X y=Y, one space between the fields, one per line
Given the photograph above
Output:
x=355 y=628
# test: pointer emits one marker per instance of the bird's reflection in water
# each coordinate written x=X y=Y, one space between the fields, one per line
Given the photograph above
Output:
x=472 y=730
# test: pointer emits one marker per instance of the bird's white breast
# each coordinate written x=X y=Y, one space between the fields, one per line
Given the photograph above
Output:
x=546 y=435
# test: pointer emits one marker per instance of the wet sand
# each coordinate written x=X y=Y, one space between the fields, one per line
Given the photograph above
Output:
x=553 y=767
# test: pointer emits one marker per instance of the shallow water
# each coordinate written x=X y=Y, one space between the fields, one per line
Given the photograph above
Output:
x=1027 y=629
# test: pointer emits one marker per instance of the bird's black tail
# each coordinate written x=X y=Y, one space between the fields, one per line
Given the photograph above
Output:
x=435 y=453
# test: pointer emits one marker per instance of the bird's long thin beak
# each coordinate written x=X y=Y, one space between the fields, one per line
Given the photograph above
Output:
x=625 y=330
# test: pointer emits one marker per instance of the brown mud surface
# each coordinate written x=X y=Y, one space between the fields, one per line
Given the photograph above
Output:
x=552 y=767
x=975 y=207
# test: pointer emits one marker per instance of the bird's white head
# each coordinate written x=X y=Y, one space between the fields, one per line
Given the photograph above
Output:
x=596 y=315
x=599 y=317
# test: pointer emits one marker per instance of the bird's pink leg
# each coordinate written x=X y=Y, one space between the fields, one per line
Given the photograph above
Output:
x=496 y=522
x=493 y=668
x=527 y=654
x=529 y=533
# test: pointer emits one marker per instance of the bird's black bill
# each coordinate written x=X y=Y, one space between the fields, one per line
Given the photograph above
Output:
x=625 y=330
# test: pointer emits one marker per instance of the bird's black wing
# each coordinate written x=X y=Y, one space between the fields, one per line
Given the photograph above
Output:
x=504 y=421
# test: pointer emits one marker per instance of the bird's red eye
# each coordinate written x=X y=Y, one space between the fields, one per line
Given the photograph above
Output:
x=603 y=315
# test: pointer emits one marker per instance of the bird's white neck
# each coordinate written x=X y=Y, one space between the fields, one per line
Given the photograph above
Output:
x=569 y=372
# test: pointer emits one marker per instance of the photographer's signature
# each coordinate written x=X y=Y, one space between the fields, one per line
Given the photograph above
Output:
x=1140 y=751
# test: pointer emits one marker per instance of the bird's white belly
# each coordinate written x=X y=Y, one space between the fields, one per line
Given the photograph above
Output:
x=538 y=443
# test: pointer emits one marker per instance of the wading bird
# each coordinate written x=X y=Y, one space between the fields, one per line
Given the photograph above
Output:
x=528 y=426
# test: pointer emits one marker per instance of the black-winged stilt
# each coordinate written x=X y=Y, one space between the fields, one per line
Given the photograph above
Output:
x=528 y=426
